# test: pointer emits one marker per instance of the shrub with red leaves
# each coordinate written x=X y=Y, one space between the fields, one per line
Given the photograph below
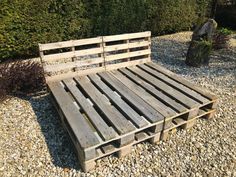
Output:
x=21 y=77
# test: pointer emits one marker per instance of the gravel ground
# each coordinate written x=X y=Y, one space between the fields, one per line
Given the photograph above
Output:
x=33 y=142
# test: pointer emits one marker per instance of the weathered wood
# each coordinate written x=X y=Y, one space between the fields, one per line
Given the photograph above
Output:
x=155 y=103
x=73 y=64
x=126 y=36
x=110 y=67
x=107 y=148
x=140 y=136
x=126 y=140
x=71 y=43
x=190 y=103
x=77 y=122
x=77 y=53
x=109 y=112
x=156 y=138
x=176 y=85
x=120 y=123
x=180 y=79
x=113 y=57
x=189 y=124
x=102 y=128
x=129 y=45
x=87 y=166
x=116 y=100
x=67 y=75
x=140 y=41
x=139 y=104
x=124 y=151
x=152 y=90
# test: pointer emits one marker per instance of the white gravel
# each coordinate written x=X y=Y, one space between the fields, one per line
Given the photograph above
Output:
x=33 y=142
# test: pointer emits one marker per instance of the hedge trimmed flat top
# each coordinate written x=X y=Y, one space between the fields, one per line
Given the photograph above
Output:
x=110 y=95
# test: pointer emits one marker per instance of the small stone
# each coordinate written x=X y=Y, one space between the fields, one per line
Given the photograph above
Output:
x=149 y=170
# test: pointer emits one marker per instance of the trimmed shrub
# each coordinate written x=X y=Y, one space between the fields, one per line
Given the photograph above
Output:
x=221 y=38
x=25 y=23
x=20 y=77
x=170 y=16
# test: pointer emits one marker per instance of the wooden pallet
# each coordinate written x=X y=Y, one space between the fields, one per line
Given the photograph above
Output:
x=126 y=101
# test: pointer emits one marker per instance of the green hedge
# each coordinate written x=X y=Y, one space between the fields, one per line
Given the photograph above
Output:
x=25 y=23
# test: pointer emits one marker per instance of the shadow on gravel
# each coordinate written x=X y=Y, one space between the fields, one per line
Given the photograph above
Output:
x=58 y=141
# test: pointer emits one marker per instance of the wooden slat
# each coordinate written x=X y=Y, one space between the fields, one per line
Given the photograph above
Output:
x=126 y=46
x=77 y=53
x=65 y=44
x=165 y=88
x=88 y=41
x=155 y=103
x=116 y=100
x=169 y=101
x=77 y=122
x=126 y=36
x=121 y=124
x=102 y=128
x=178 y=121
x=70 y=65
x=126 y=64
x=113 y=57
x=73 y=74
x=139 y=104
x=183 y=81
x=176 y=85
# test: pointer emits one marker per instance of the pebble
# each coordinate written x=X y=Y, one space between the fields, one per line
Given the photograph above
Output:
x=34 y=143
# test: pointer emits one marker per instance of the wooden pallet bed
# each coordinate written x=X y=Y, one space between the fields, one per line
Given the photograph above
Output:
x=110 y=95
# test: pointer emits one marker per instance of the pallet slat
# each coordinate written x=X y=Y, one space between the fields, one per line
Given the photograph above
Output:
x=126 y=64
x=126 y=46
x=103 y=129
x=165 y=88
x=123 y=106
x=78 y=124
x=113 y=57
x=169 y=101
x=180 y=79
x=150 y=113
x=71 y=65
x=119 y=122
x=155 y=103
x=77 y=53
x=186 y=90
x=62 y=76
x=71 y=43
x=126 y=36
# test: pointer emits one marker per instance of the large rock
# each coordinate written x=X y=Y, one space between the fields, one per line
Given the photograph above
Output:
x=201 y=44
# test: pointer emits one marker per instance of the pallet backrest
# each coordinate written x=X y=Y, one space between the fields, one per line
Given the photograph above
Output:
x=80 y=57
x=126 y=49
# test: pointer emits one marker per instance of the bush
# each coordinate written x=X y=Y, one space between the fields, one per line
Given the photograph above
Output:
x=221 y=38
x=224 y=31
x=20 y=77
x=25 y=23
x=159 y=16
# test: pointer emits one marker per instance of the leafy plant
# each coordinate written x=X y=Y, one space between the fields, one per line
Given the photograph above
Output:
x=224 y=31
x=25 y=23
x=20 y=77
x=221 y=38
